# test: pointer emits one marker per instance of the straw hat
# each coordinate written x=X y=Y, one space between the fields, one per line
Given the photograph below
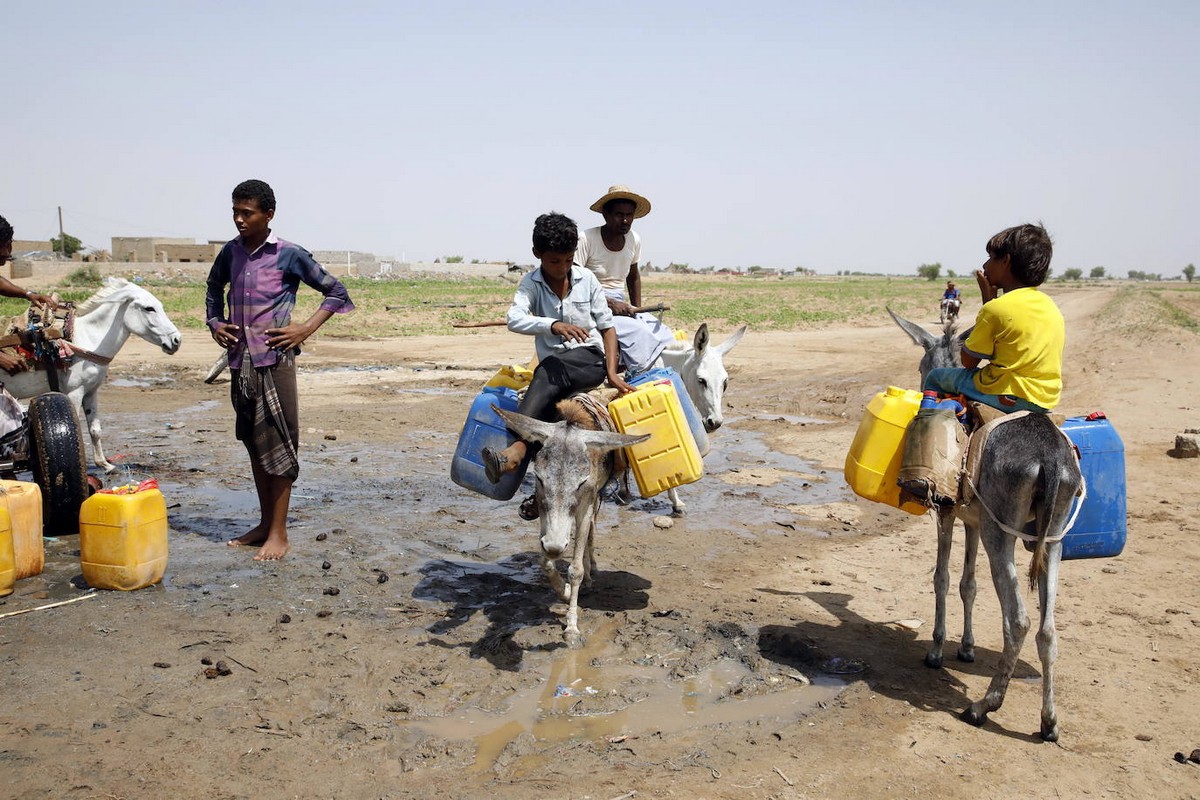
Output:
x=641 y=204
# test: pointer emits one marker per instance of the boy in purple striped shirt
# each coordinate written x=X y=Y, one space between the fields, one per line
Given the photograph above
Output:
x=262 y=274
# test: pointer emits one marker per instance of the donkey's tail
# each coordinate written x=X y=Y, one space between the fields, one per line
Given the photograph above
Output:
x=1055 y=518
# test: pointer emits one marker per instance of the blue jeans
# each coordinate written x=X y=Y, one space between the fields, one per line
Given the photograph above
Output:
x=958 y=380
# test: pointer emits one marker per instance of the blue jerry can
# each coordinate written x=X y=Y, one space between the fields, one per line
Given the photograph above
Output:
x=695 y=424
x=1099 y=530
x=484 y=428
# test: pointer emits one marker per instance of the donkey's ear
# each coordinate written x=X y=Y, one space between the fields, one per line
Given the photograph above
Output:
x=727 y=345
x=701 y=340
x=528 y=428
x=915 y=332
x=604 y=441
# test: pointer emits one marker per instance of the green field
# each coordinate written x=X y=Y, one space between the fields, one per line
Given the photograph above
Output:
x=429 y=305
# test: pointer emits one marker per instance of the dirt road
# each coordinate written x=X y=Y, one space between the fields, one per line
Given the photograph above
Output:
x=762 y=647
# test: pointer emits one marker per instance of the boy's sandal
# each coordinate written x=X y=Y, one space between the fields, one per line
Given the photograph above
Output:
x=529 y=508
x=494 y=465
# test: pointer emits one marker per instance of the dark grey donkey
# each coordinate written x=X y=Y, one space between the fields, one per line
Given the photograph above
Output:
x=1028 y=477
x=574 y=463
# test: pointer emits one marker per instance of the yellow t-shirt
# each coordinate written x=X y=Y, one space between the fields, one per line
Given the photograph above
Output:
x=1021 y=334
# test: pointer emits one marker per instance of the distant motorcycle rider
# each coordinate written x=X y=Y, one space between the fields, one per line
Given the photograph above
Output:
x=951 y=301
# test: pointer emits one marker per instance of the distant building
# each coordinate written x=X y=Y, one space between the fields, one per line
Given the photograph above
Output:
x=149 y=249
x=36 y=248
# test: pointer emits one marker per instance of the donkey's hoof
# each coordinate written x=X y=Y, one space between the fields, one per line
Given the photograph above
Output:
x=1049 y=732
x=966 y=655
x=933 y=661
x=575 y=640
x=972 y=716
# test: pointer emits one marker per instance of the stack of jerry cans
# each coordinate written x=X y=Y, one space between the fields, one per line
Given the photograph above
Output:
x=1099 y=529
x=669 y=458
x=873 y=463
x=23 y=501
x=484 y=428
x=123 y=538
x=690 y=413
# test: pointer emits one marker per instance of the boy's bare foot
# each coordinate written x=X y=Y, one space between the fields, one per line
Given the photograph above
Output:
x=273 y=549
x=255 y=536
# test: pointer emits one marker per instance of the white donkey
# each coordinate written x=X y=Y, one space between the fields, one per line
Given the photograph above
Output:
x=575 y=461
x=702 y=367
x=1028 y=474
x=103 y=323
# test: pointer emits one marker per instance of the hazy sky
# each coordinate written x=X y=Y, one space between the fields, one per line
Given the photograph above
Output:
x=855 y=135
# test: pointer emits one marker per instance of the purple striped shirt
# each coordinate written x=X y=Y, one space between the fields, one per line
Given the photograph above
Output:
x=262 y=293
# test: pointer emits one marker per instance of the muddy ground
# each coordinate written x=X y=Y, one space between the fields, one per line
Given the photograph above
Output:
x=762 y=647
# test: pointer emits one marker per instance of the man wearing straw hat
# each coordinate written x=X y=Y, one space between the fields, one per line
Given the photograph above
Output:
x=611 y=252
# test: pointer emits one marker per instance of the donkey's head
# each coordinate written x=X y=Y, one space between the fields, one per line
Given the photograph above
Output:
x=940 y=351
x=702 y=367
x=140 y=312
x=571 y=468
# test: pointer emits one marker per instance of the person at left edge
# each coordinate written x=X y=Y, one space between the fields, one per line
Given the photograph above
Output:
x=262 y=274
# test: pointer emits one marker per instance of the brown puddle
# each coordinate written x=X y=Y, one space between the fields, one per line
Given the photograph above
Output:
x=584 y=698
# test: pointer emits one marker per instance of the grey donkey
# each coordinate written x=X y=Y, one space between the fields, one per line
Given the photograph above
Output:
x=574 y=463
x=1028 y=477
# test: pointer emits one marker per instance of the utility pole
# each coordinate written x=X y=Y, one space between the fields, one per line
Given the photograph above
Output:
x=62 y=237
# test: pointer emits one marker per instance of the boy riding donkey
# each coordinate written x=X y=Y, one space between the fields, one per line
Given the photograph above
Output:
x=563 y=306
x=1019 y=332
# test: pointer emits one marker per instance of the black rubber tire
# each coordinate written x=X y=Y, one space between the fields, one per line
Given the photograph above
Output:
x=56 y=457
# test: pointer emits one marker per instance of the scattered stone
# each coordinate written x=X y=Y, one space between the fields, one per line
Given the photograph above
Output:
x=161 y=665
x=284 y=619
x=326 y=565
x=323 y=613
x=332 y=437
x=322 y=536
x=339 y=531
x=223 y=668
x=206 y=660
x=663 y=522
x=398 y=708
x=1181 y=758
x=1186 y=446
x=353 y=459
x=1195 y=756
x=332 y=591
x=383 y=578
x=1144 y=737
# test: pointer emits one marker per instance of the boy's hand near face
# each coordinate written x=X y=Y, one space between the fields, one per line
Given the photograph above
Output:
x=985 y=288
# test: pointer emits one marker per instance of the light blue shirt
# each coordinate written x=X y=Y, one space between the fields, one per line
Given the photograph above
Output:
x=536 y=307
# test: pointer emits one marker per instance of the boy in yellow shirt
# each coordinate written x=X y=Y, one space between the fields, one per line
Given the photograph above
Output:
x=1020 y=333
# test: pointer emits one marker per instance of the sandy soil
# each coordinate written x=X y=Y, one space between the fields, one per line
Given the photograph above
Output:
x=440 y=678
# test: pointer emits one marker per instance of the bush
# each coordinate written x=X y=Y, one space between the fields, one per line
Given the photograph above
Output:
x=84 y=276
x=930 y=272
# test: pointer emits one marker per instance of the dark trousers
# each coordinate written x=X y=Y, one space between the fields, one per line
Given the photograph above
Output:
x=560 y=376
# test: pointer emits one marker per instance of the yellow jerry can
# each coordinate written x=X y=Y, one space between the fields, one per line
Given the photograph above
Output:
x=669 y=458
x=123 y=539
x=24 y=503
x=873 y=463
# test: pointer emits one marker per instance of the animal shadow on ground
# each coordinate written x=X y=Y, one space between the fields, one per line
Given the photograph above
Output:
x=513 y=594
x=891 y=658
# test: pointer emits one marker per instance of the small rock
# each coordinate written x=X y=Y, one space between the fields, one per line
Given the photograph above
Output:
x=340 y=531
x=211 y=673
x=332 y=591
x=322 y=537
x=223 y=668
x=206 y=660
x=284 y=619
x=383 y=578
x=353 y=459
x=1186 y=446
x=1181 y=758
x=1195 y=756
x=332 y=437
x=1144 y=737
x=161 y=665
x=326 y=565
x=323 y=613
x=663 y=522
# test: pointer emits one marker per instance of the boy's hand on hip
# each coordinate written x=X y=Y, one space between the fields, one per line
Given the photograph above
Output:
x=287 y=337
x=569 y=332
x=226 y=334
